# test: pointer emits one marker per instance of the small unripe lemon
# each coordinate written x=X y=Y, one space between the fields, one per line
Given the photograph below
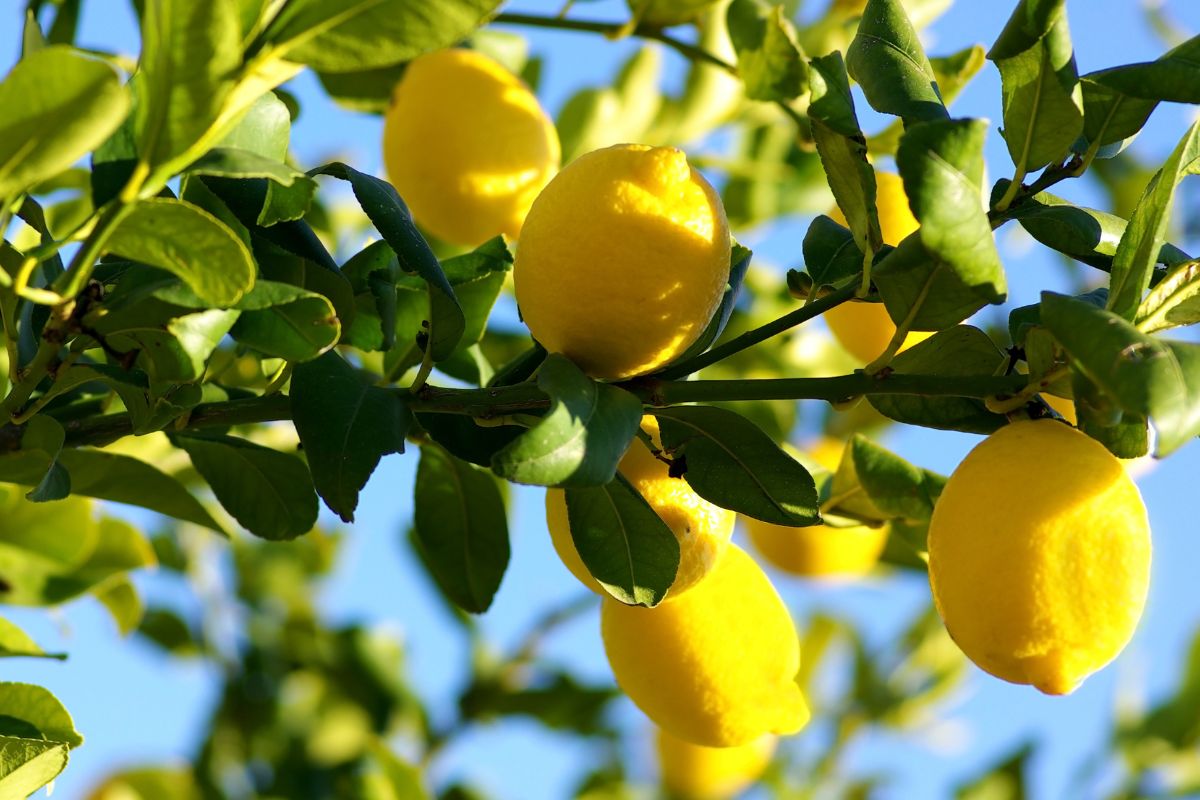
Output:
x=865 y=329
x=703 y=529
x=623 y=260
x=694 y=772
x=715 y=666
x=1039 y=555
x=467 y=146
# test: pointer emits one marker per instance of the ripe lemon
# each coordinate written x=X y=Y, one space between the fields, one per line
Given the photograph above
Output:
x=1063 y=406
x=818 y=551
x=1039 y=555
x=715 y=666
x=693 y=772
x=623 y=260
x=865 y=329
x=703 y=529
x=467 y=146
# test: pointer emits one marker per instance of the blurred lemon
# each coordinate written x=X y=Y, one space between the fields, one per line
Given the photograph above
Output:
x=1039 y=555
x=715 y=666
x=467 y=146
x=694 y=772
x=703 y=529
x=663 y=13
x=623 y=260
x=818 y=551
x=1064 y=406
x=865 y=329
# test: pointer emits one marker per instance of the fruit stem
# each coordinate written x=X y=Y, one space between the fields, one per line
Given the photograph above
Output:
x=878 y=365
x=762 y=333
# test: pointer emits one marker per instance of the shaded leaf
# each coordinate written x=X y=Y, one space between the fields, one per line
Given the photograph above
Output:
x=887 y=60
x=770 y=62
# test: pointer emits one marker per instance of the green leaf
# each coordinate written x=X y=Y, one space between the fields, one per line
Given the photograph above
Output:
x=581 y=438
x=286 y=321
x=1043 y=104
x=229 y=162
x=477 y=278
x=15 y=643
x=345 y=425
x=123 y=602
x=1143 y=375
x=874 y=483
x=461 y=528
x=1084 y=234
x=60 y=104
x=191 y=57
x=119 y=548
x=956 y=269
x=1139 y=248
x=38 y=708
x=830 y=255
x=392 y=219
x=624 y=544
x=27 y=765
x=179 y=350
x=47 y=436
x=598 y=117
x=557 y=700
x=269 y=493
x=264 y=130
x=887 y=60
x=402 y=779
x=729 y=461
x=1174 y=302
x=190 y=243
x=1004 y=781
x=39 y=542
x=368 y=91
x=961 y=350
x=349 y=35
x=463 y=438
x=1118 y=101
x=770 y=62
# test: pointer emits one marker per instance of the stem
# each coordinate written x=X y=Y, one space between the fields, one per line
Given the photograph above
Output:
x=1014 y=188
x=688 y=51
x=425 y=369
x=762 y=333
x=80 y=270
x=876 y=366
x=38 y=367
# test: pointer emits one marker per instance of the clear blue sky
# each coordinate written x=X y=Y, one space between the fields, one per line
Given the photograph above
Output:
x=135 y=706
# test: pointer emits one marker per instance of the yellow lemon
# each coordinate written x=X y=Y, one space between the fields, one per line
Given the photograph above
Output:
x=715 y=666
x=865 y=329
x=694 y=772
x=1063 y=406
x=818 y=550
x=703 y=529
x=1039 y=555
x=467 y=146
x=623 y=260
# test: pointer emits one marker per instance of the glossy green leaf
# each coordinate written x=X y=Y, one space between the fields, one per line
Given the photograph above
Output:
x=60 y=104
x=580 y=439
x=1174 y=302
x=191 y=57
x=120 y=597
x=286 y=321
x=843 y=149
x=367 y=91
x=179 y=350
x=1043 y=104
x=729 y=461
x=956 y=269
x=349 y=35
x=229 y=162
x=15 y=643
x=770 y=62
x=46 y=435
x=830 y=255
x=36 y=707
x=392 y=219
x=119 y=548
x=624 y=544
x=961 y=350
x=461 y=527
x=268 y=492
x=1143 y=375
x=190 y=243
x=874 y=483
x=477 y=278
x=345 y=425
x=887 y=60
x=264 y=130
x=27 y=765
x=465 y=439
x=1138 y=251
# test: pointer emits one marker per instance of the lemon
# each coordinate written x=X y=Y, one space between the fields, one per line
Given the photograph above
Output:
x=703 y=529
x=694 y=772
x=818 y=551
x=1039 y=555
x=467 y=146
x=865 y=329
x=715 y=666
x=623 y=260
x=1063 y=406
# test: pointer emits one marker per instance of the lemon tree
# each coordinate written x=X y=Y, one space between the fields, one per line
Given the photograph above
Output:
x=203 y=327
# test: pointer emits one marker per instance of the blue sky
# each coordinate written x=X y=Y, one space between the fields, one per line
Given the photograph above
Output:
x=135 y=706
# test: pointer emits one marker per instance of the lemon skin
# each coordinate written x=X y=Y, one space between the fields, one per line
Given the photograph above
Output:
x=623 y=260
x=865 y=329
x=703 y=529
x=715 y=666
x=467 y=146
x=1039 y=555
x=693 y=772
x=818 y=551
